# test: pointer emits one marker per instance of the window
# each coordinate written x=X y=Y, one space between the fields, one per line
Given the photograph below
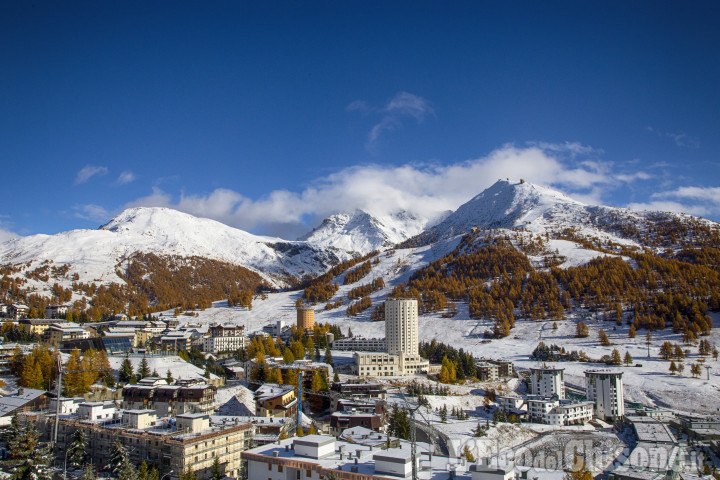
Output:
x=269 y=466
x=280 y=468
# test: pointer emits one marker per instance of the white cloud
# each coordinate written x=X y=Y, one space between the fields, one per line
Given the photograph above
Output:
x=701 y=201
x=89 y=171
x=670 y=206
x=125 y=177
x=6 y=235
x=91 y=212
x=425 y=190
x=402 y=106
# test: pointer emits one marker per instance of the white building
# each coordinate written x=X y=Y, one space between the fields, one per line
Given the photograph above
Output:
x=552 y=411
x=605 y=390
x=381 y=364
x=548 y=381
x=401 y=341
x=401 y=326
x=359 y=344
x=56 y=311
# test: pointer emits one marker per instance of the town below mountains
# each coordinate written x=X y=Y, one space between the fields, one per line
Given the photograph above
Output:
x=524 y=335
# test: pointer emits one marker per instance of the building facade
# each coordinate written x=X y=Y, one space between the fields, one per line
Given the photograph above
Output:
x=190 y=442
x=548 y=381
x=605 y=390
x=388 y=365
x=184 y=397
x=401 y=326
x=305 y=318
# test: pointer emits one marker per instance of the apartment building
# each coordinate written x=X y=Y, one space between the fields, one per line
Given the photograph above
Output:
x=359 y=344
x=224 y=338
x=187 y=442
x=183 y=397
x=388 y=365
x=548 y=381
x=605 y=390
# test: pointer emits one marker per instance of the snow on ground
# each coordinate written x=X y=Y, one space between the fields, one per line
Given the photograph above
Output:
x=180 y=369
x=557 y=450
x=651 y=383
x=236 y=400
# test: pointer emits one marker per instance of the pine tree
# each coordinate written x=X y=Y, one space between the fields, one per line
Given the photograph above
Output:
x=328 y=357
x=312 y=430
x=126 y=371
x=188 y=475
x=615 y=357
x=118 y=456
x=603 y=338
x=673 y=367
x=216 y=471
x=143 y=472
x=631 y=332
x=32 y=459
x=76 y=450
x=628 y=358
x=169 y=377
x=336 y=377
x=143 y=369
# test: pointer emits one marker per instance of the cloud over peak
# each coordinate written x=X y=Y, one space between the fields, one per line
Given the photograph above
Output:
x=424 y=190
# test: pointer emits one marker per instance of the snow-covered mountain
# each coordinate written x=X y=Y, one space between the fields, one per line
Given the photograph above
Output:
x=93 y=254
x=540 y=210
x=363 y=232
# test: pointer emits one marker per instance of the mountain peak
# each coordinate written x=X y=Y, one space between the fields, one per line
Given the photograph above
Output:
x=504 y=204
x=362 y=232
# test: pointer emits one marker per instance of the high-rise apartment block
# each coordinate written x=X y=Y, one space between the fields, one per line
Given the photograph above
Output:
x=401 y=326
x=605 y=390
x=548 y=381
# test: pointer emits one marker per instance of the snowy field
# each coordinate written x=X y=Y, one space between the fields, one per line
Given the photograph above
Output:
x=651 y=383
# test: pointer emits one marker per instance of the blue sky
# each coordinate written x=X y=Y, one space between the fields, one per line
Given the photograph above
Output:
x=269 y=116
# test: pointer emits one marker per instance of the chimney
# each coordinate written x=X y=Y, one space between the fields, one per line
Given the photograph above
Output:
x=354 y=469
x=276 y=453
x=287 y=447
x=21 y=391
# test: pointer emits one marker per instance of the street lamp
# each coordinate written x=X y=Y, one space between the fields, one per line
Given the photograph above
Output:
x=166 y=475
x=67 y=450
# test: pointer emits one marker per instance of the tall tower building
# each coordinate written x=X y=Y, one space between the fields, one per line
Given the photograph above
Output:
x=305 y=318
x=605 y=390
x=548 y=381
x=401 y=326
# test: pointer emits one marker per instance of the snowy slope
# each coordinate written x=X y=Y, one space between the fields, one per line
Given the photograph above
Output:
x=540 y=210
x=363 y=232
x=93 y=254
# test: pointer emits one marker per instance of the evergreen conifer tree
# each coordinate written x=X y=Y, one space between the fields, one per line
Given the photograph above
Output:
x=328 y=357
x=143 y=369
x=126 y=371
x=76 y=450
x=216 y=471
